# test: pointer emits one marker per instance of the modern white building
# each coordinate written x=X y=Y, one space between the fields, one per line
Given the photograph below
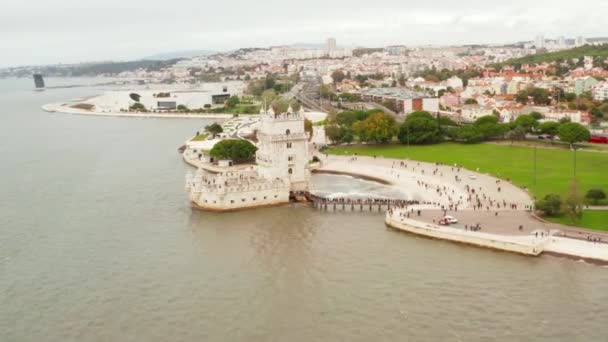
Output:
x=281 y=170
x=539 y=42
x=166 y=98
x=330 y=45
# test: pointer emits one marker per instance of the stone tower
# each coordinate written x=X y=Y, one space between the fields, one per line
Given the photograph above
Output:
x=283 y=148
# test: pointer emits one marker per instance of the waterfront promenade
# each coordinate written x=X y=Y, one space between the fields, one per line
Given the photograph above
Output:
x=66 y=108
x=499 y=211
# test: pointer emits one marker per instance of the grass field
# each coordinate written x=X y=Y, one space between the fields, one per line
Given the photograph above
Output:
x=591 y=219
x=554 y=168
x=200 y=137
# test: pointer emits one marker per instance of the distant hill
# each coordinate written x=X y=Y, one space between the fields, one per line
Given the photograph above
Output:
x=179 y=54
x=578 y=52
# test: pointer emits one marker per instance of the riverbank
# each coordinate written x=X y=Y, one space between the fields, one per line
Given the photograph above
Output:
x=541 y=171
x=500 y=208
x=535 y=241
x=66 y=108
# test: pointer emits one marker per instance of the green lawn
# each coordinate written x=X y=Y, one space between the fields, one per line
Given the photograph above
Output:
x=200 y=137
x=591 y=219
x=554 y=167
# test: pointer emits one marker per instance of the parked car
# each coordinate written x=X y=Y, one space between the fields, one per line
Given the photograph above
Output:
x=450 y=219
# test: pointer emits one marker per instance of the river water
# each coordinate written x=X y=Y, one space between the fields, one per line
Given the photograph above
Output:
x=98 y=243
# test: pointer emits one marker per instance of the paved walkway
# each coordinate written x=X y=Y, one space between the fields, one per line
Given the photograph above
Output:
x=429 y=182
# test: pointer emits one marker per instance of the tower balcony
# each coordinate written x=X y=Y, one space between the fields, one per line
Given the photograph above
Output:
x=282 y=137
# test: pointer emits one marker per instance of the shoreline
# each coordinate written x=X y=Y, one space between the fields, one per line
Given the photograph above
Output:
x=499 y=224
x=64 y=108
x=354 y=175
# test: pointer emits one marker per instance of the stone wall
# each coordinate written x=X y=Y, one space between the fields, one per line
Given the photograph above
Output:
x=521 y=245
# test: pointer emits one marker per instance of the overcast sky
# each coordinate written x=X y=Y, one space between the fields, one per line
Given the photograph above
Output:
x=66 y=31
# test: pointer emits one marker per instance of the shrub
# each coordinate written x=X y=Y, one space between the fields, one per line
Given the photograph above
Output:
x=595 y=195
x=214 y=129
x=236 y=150
x=137 y=106
x=550 y=205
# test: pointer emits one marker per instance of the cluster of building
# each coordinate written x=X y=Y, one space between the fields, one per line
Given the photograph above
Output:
x=394 y=61
x=561 y=42
x=402 y=99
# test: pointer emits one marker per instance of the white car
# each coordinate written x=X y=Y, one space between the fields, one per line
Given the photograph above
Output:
x=472 y=177
x=450 y=219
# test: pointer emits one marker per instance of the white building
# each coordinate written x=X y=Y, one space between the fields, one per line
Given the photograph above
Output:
x=580 y=41
x=539 y=42
x=330 y=45
x=454 y=82
x=167 y=98
x=600 y=91
x=281 y=169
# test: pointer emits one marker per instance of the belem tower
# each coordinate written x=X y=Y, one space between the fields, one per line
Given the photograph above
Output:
x=281 y=171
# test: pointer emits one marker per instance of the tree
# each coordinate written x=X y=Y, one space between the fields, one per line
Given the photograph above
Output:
x=488 y=127
x=470 y=102
x=573 y=205
x=517 y=133
x=232 y=101
x=138 y=107
x=236 y=150
x=550 y=128
x=573 y=132
x=378 y=127
x=348 y=118
x=595 y=195
x=280 y=105
x=268 y=96
x=338 y=76
x=522 y=97
x=469 y=134
x=326 y=92
x=214 y=129
x=536 y=115
x=308 y=128
x=527 y=122
x=603 y=108
x=346 y=135
x=550 y=205
x=540 y=96
x=420 y=128
x=332 y=132
x=570 y=97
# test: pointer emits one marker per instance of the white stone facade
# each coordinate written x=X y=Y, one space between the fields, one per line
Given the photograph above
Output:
x=283 y=148
x=234 y=190
x=281 y=168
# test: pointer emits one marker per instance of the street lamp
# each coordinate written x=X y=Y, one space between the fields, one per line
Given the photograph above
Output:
x=574 y=154
x=535 y=168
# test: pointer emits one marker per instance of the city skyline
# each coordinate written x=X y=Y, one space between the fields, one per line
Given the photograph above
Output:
x=56 y=32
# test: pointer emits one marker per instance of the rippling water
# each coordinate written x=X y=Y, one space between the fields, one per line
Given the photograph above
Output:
x=338 y=186
x=98 y=243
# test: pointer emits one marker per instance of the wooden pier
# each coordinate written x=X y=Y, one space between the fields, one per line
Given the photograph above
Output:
x=359 y=204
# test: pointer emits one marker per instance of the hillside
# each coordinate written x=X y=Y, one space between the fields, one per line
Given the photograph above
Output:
x=178 y=54
x=578 y=52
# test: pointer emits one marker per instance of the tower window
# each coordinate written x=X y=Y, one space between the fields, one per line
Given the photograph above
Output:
x=288 y=145
x=290 y=171
x=287 y=132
